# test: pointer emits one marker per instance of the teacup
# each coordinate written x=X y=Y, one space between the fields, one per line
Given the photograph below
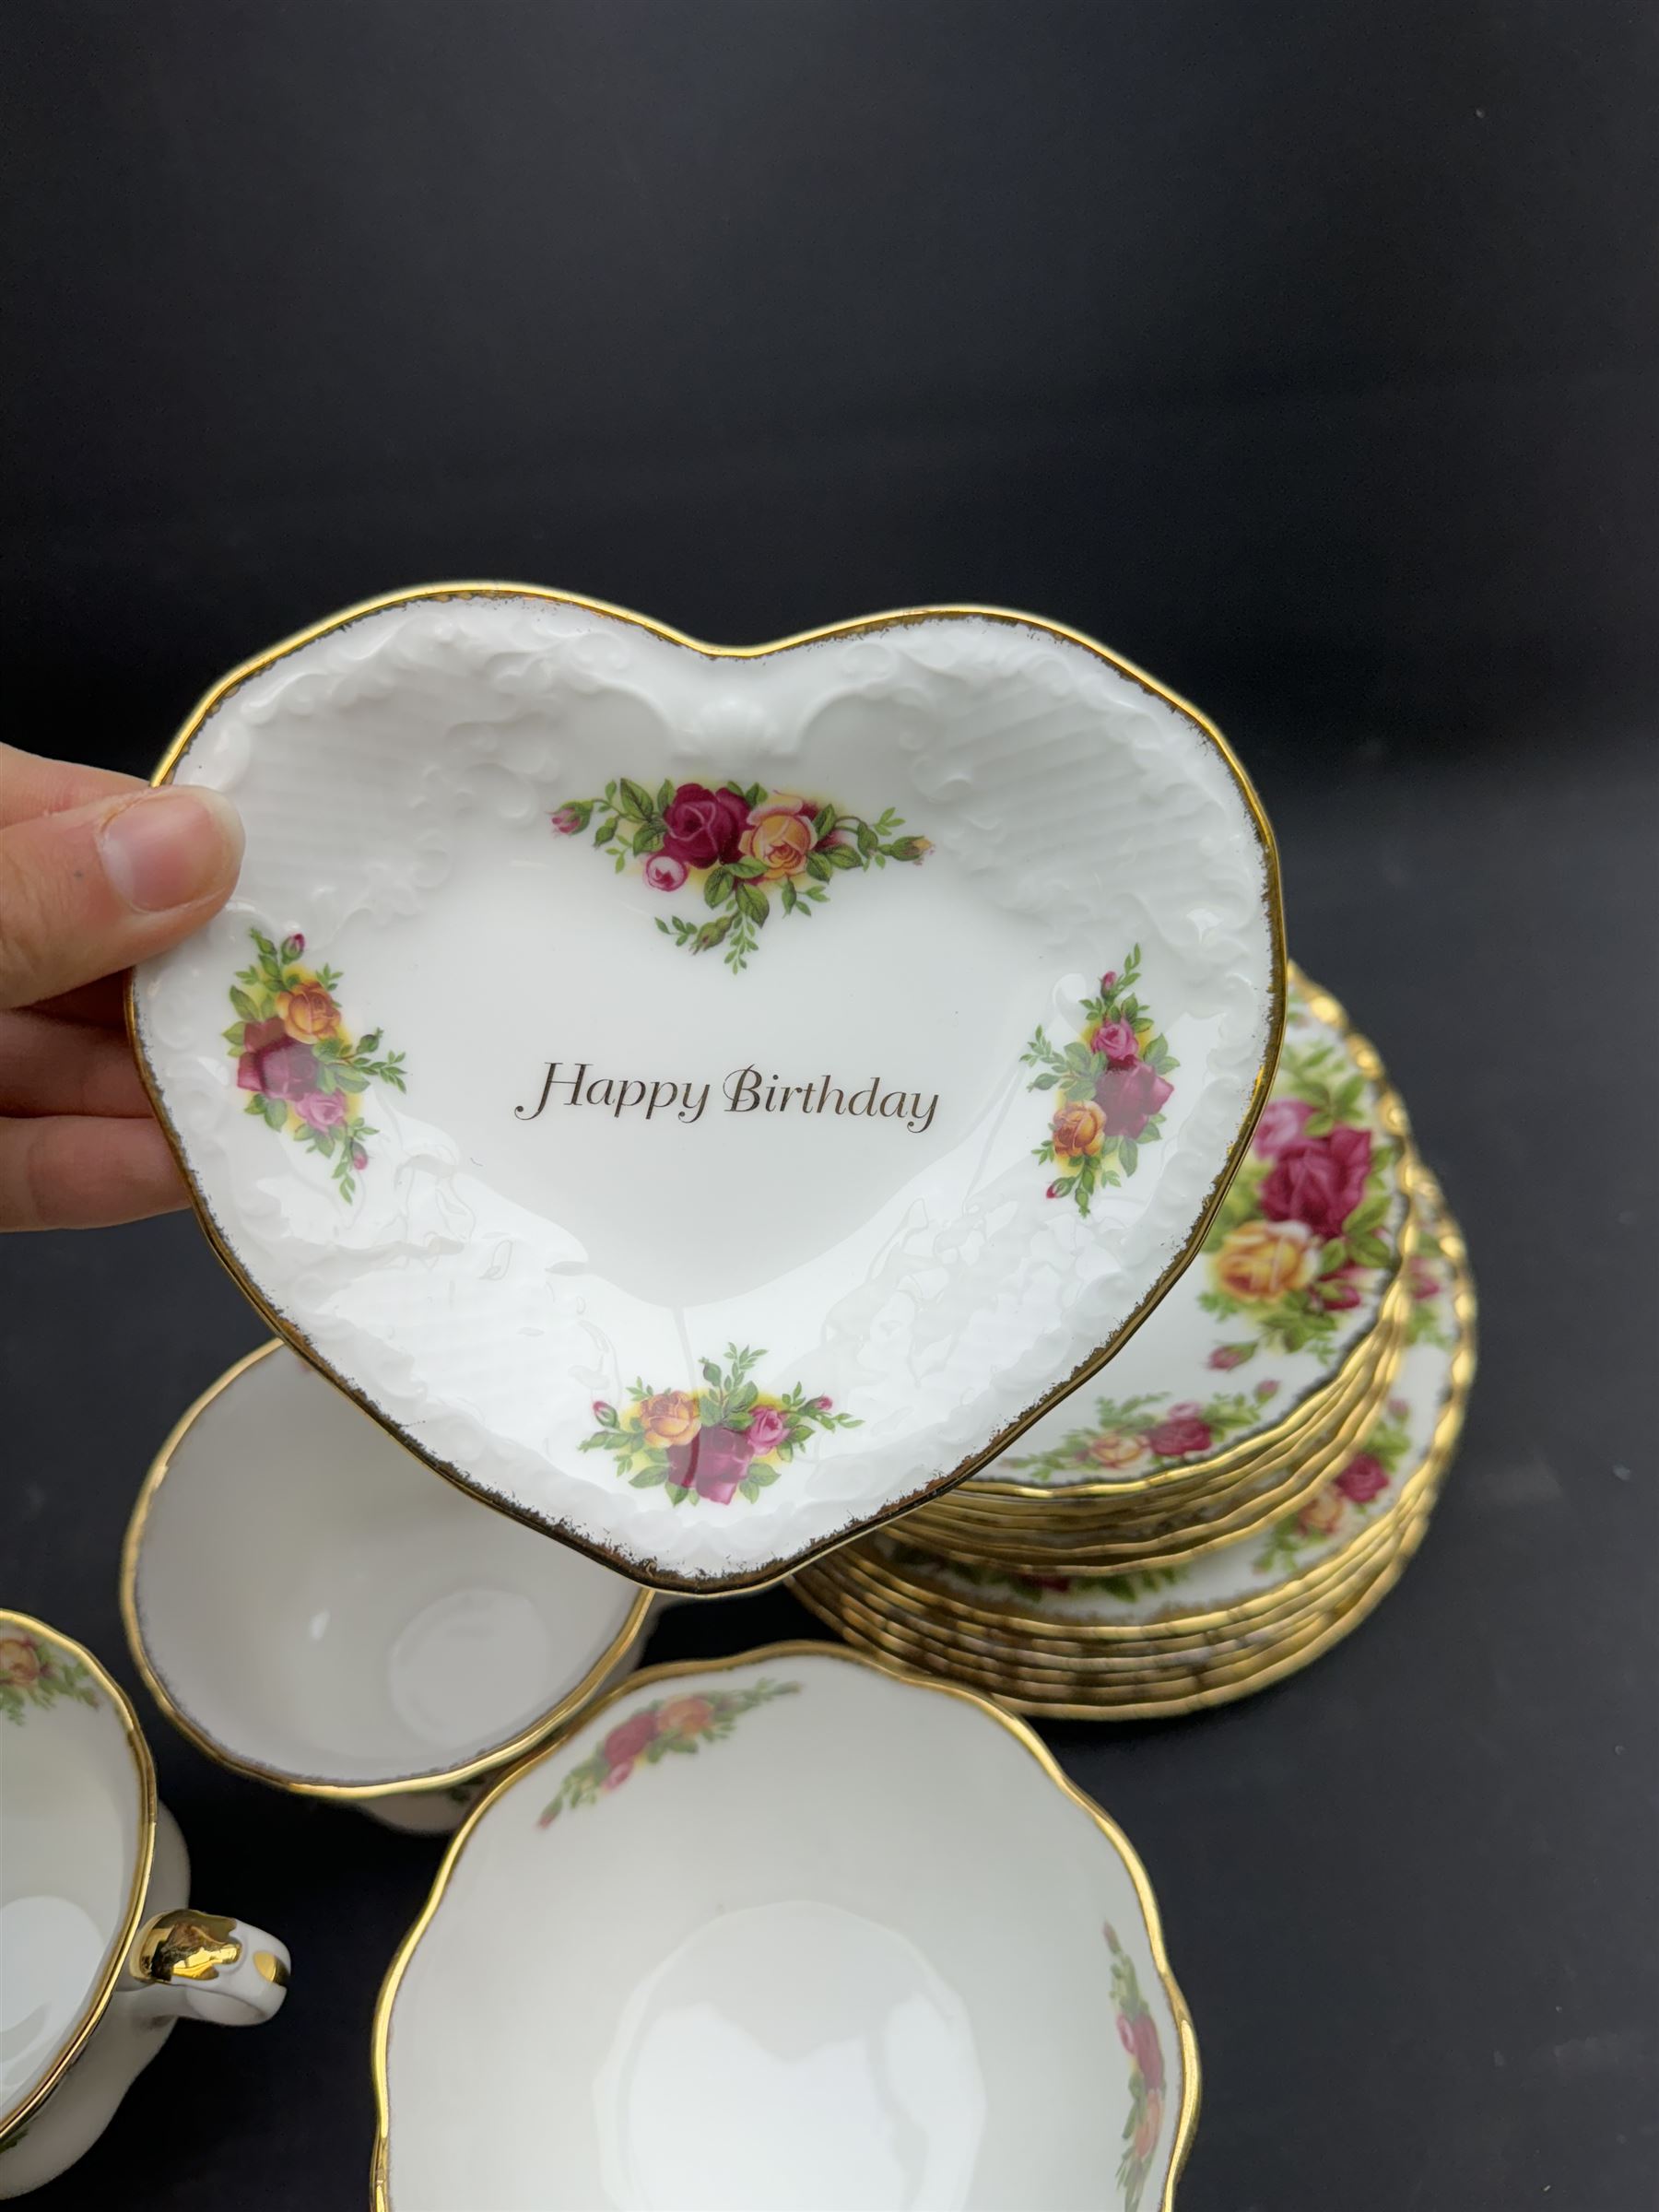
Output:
x=795 y=1930
x=389 y=1642
x=99 y=1954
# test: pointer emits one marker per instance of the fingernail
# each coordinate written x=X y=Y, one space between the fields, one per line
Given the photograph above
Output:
x=171 y=847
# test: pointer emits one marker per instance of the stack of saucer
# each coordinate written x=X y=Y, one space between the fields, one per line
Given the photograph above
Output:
x=1249 y=1475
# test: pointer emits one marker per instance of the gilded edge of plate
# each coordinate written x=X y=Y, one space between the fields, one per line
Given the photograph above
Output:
x=653 y=1575
x=1186 y=2120
x=76 y=2038
x=525 y=1739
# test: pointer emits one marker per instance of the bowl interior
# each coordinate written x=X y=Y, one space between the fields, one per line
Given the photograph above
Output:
x=796 y=1934
x=72 y=1828
x=319 y=1604
x=516 y=1163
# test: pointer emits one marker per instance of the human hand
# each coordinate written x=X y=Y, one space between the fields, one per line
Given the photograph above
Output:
x=96 y=871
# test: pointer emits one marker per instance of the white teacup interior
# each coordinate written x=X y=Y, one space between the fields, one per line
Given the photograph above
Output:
x=319 y=1604
x=71 y=1830
x=851 y=1954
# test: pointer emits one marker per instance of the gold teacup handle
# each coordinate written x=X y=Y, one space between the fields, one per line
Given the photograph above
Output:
x=220 y=1970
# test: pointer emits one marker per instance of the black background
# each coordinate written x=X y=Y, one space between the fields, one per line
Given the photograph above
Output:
x=1307 y=354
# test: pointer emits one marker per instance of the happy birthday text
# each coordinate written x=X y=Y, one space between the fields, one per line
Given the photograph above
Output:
x=745 y=1090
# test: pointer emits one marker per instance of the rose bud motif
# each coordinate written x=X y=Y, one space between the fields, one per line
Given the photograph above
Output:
x=566 y=820
x=1107 y=980
x=604 y=1410
x=1145 y=2135
x=359 y=1159
x=1226 y=1356
x=664 y=871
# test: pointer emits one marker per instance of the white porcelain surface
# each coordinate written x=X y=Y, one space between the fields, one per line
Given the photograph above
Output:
x=385 y=1629
x=1266 y=1317
x=507 y=1262
x=804 y=1966
x=87 y=1860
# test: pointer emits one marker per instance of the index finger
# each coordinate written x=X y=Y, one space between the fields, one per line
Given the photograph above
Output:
x=32 y=785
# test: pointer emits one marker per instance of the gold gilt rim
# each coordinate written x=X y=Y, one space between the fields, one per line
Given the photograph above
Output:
x=655 y=1576
x=1113 y=1667
x=1184 y=1541
x=632 y=1630
x=1416 y=1492
x=1186 y=2119
x=74 y=2040
x=1306 y=1413
x=889 y=1597
x=1025 y=1694
x=1014 y=1689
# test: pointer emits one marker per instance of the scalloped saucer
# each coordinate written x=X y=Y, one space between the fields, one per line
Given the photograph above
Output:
x=704 y=1101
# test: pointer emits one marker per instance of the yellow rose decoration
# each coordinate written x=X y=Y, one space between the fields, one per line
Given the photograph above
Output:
x=1078 y=1130
x=779 y=836
x=308 y=1013
x=1117 y=1451
x=1263 y=1260
x=670 y=1418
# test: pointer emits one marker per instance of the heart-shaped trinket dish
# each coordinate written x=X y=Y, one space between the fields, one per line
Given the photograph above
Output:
x=705 y=1101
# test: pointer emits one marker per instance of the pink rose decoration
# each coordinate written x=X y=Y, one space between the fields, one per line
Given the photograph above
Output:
x=1117 y=1043
x=1129 y=1096
x=275 y=1064
x=1107 y=980
x=713 y=1464
x=765 y=1428
x=1318 y=1180
x=1282 y=1121
x=1338 y=1291
x=322 y=1110
x=1226 y=1356
x=566 y=820
x=825 y=1405
x=703 y=826
x=626 y=1741
x=616 y=1776
x=1179 y=1436
x=1362 y=1479
x=359 y=1159
x=604 y=1410
x=664 y=871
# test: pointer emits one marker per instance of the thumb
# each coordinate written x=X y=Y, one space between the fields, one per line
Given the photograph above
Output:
x=91 y=890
